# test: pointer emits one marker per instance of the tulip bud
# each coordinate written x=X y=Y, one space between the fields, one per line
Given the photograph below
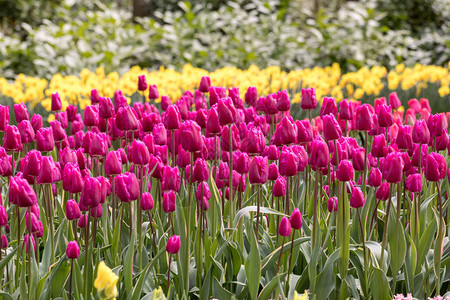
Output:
x=383 y=191
x=273 y=172
x=72 y=210
x=44 y=140
x=191 y=137
x=288 y=163
x=3 y=216
x=435 y=167
x=364 y=120
x=357 y=198
x=379 y=148
x=296 y=219
x=26 y=131
x=11 y=139
x=345 y=110
x=34 y=222
x=374 y=177
x=328 y=107
x=283 y=101
x=205 y=84
x=171 y=179
x=4 y=242
x=21 y=112
x=331 y=129
x=394 y=101
x=173 y=245
x=285 y=227
x=414 y=183
x=258 y=171
x=393 y=168
x=319 y=154
x=126 y=119
x=142 y=83
x=385 y=118
x=309 y=100
x=251 y=95
x=226 y=111
x=147 y=202
x=332 y=204
x=344 y=171
x=126 y=187
x=169 y=202
x=279 y=187
x=26 y=241
x=139 y=154
x=56 y=102
x=73 y=251
x=203 y=191
x=153 y=92
x=420 y=132
x=436 y=125
x=304 y=131
x=4 y=117
x=21 y=193
x=173 y=117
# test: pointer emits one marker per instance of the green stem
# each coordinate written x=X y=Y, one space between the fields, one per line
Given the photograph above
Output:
x=383 y=243
x=314 y=231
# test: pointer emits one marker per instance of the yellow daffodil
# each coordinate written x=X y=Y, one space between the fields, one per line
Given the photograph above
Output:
x=106 y=282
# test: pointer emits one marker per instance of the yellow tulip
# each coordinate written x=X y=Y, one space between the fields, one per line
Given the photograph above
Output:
x=300 y=296
x=106 y=282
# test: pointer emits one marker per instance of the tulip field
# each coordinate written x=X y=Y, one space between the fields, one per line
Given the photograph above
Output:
x=133 y=191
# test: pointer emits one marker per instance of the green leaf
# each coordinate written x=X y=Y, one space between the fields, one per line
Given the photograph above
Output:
x=326 y=280
x=380 y=285
x=397 y=245
x=7 y=258
x=247 y=209
x=425 y=244
x=268 y=289
x=128 y=266
x=219 y=292
x=252 y=263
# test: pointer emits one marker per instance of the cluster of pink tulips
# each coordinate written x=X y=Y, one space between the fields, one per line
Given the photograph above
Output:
x=152 y=182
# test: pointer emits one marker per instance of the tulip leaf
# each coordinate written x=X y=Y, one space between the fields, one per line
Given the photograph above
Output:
x=380 y=285
x=325 y=281
x=7 y=258
x=253 y=262
x=219 y=292
x=128 y=266
x=397 y=245
x=272 y=257
x=263 y=210
x=425 y=243
x=268 y=289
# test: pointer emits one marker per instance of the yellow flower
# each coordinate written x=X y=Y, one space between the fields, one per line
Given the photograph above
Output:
x=158 y=294
x=106 y=282
x=300 y=296
x=444 y=90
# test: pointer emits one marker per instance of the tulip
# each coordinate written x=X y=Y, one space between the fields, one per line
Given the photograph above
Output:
x=4 y=242
x=273 y=172
x=442 y=142
x=414 y=183
x=4 y=117
x=147 y=202
x=309 y=100
x=44 y=140
x=226 y=111
x=374 y=177
x=435 y=167
x=12 y=139
x=379 y=148
x=200 y=170
x=436 y=125
x=173 y=117
x=203 y=191
x=173 y=245
x=235 y=140
x=383 y=191
x=251 y=95
x=304 y=132
x=279 y=187
x=241 y=163
x=126 y=187
x=319 y=154
x=72 y=251
x=332 y=204
x=142 y=83
x=404 y=137
x=420 y=132
x=288 y=163
x=26 y=131
x=285 y=133
x=393 y=168
x=153 y=92
x=171 y=179
x=93 y=193
x=296 y=219
x=126 y=119
x=26 y=241
x=394 y=101
x=113 y=163
x=3 y=216
x=385 y=118
x=285 y=227
x=258 y=171
x=191 y=137
x=72 y=210
x=331 y=129
x=139 y=154
x=328 y=107
x=212 y=122
x=345 y=110
x=254 y=142
x=106 y=108
x=21 y=112
x=205 y=84
x=36 y=122
x=283 y=101
x=21 y=193
x=357 y=198
x=363 y=116
x=169 y=202
x=344 y=171
x=56 y=102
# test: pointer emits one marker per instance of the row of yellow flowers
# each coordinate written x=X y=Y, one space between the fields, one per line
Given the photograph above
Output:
x=327 y=81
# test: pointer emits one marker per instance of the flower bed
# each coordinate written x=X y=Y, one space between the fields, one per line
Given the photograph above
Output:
x=223 y=193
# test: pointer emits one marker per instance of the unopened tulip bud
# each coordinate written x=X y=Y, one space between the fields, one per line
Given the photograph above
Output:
x=285 y=227
x=73 y=250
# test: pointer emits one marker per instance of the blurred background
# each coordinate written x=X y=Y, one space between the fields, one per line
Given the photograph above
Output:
x=45 y=37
